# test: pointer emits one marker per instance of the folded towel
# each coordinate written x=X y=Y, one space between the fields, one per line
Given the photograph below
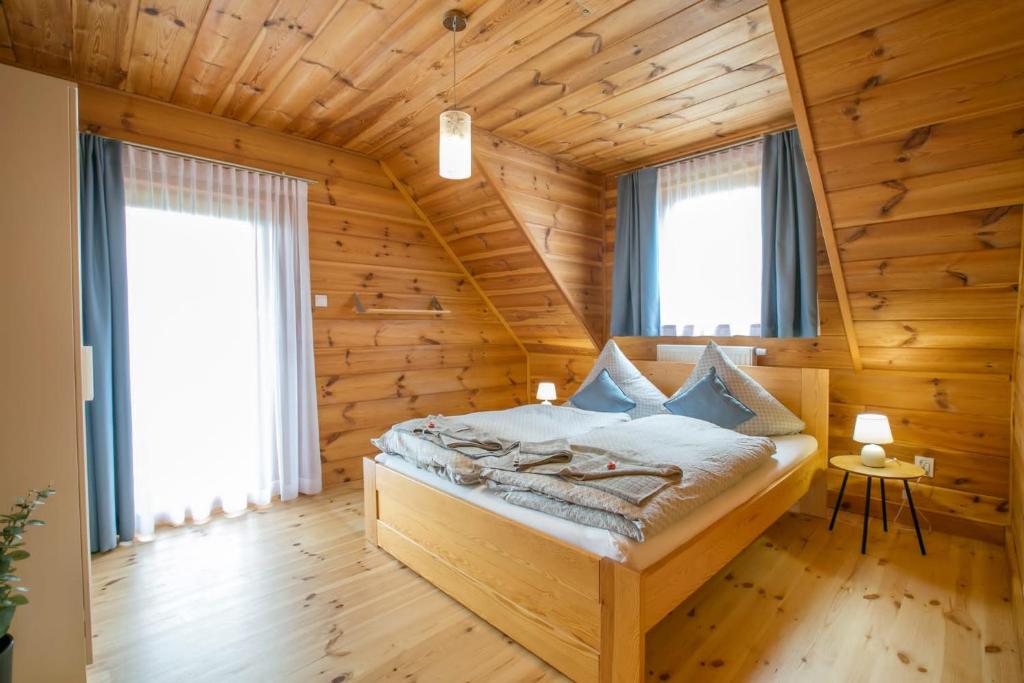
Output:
x=543 y=452
x=463 y=438
x=633 y=482
x=487 y=450
x=601 y=468
x=527 y=455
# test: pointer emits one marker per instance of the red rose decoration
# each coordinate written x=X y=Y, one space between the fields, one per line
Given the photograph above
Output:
x=611 y=466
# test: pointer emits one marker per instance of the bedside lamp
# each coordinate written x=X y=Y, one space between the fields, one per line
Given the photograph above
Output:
x=872 y=429
x=546 y=393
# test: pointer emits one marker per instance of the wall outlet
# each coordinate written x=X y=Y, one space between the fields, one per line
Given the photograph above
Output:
x=320 y=300
x=925 y=463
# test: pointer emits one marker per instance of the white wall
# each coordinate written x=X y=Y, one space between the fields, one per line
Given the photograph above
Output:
x=40 y=412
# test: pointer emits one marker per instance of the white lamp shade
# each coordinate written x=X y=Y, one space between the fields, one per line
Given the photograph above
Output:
x=546 y=391
x=455 y=146
x=872 y=428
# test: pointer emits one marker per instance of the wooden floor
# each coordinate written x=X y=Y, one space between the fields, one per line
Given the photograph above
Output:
x=294 y=594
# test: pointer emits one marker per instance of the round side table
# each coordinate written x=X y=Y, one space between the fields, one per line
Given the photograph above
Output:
x=894 y=469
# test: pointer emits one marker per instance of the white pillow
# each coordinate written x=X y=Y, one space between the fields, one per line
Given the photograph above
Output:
x=648 y=398
x=771 y=419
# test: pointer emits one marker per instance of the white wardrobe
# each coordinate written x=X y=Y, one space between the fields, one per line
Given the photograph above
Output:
x=40 y=391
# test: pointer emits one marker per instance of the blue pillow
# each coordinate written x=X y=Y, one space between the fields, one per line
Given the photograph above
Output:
x=603 y=395
x=710 y=400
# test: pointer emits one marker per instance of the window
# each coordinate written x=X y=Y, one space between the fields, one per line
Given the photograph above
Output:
x=709 y=214
x=220 y=339
x=193 y=346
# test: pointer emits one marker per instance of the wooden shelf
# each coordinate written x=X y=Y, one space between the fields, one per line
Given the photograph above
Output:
x=435 y=309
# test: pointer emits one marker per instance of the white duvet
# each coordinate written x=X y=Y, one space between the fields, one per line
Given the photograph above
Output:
x=535 y=423
x=711 y=458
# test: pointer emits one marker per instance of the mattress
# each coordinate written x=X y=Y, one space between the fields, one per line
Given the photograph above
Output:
x=792 y=451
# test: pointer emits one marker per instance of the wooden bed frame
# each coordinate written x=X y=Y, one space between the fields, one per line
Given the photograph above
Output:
x=585 y=615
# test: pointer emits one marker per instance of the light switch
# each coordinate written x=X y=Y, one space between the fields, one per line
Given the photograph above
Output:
x=88 y=390
x=320 y=300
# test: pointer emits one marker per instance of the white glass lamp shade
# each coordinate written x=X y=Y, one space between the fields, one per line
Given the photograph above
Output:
x=872 y=428
x=455 y=146
x=546 y=392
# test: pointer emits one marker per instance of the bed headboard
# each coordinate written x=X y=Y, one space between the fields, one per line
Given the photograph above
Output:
x=802 y=390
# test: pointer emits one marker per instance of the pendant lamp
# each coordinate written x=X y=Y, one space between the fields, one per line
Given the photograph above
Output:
x=455 y=143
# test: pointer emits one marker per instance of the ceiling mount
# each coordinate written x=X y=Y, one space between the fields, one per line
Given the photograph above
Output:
x=455 y=20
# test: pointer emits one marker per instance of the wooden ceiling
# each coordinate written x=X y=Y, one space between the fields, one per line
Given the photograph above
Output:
x=609 y=84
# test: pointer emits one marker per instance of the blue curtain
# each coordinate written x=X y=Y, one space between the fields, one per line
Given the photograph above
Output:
x=789 y=275
x=636 y=303
x=108 y=428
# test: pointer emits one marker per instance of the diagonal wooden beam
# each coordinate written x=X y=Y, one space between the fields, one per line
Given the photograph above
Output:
x=400 y=186
x=514 y=213
x=803 y=127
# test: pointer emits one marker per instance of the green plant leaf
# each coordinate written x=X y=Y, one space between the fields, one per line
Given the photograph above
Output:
x=21 y=589
x=35 y=522
x=6 y=616
x=19 y=600
x=19 y=555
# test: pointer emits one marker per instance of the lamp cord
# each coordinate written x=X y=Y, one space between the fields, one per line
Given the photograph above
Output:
x=903 y=503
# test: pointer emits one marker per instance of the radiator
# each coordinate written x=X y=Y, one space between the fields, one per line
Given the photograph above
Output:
x=689 y=353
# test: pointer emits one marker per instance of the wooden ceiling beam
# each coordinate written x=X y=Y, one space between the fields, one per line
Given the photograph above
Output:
x=814 y=172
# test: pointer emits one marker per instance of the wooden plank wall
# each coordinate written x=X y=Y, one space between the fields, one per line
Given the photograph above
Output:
x=527 y=228
x=562 y=208
x=960 y=419
x=914 y=111
x=372 y=370
x=1015 y=534
x=925 y=199
x=924 y=184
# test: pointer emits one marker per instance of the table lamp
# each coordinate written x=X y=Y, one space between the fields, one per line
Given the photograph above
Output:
x=546 y=393
x=872 y=429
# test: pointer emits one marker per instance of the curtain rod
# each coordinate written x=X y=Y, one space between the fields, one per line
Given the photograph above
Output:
x=196 y=157
x=715 y=150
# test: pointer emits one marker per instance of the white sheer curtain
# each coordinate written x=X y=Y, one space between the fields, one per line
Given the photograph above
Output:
x=709 y=223
x=221 y=345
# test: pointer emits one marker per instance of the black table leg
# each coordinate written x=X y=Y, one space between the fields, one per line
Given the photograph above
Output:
x=913 y=513
x=842 y=487
x=867 y=508
x=885 y=514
